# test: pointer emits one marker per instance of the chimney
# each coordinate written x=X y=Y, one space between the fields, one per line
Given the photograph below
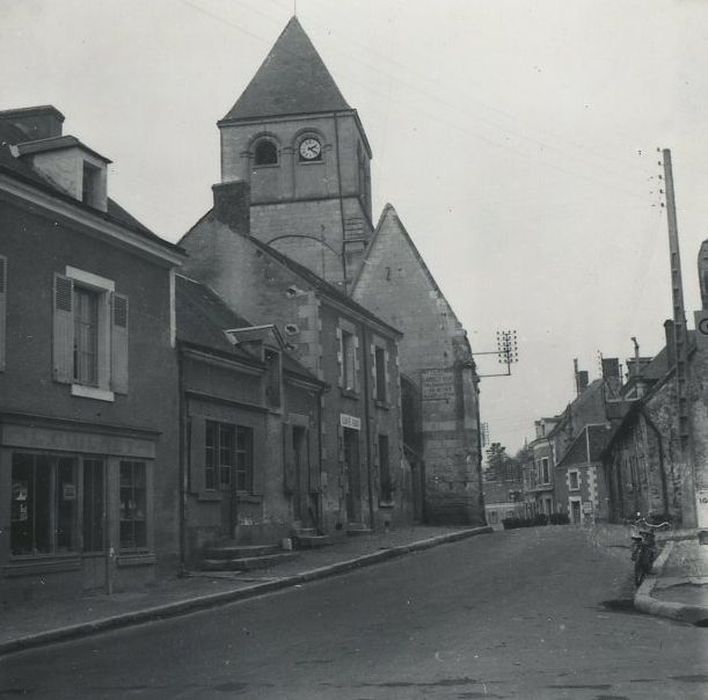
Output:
x=670 y=343
x=581 y=379
x=232 y=205
x=35 y=122
x=611 y=373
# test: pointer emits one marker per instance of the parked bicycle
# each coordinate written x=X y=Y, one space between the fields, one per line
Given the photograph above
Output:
x=644 y=547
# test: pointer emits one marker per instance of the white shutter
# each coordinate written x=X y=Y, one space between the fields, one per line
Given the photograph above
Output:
x=340 y=357
x=119 y=344
x=63 y=338
x=3 y=309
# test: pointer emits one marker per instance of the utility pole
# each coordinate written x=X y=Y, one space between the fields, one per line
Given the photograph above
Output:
x=680 y=335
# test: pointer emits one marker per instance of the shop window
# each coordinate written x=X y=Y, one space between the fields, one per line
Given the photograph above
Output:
x=94 y=505
x=43 y=504
x=133 y=506
x=266 y=153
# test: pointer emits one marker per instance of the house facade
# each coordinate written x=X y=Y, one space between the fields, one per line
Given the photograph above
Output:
x=89 y=472
x=251 y=428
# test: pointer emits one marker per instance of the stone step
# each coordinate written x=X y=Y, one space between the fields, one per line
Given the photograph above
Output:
x=311 y=541
x=240 y=551
x=246 y=563
x=354 y=529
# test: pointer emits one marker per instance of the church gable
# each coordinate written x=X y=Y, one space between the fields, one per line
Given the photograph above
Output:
x=396 y=285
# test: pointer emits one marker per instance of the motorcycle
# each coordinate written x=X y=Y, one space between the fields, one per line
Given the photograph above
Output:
x=644 y=547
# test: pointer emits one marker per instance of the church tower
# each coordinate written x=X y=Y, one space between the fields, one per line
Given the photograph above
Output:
x=292 y=136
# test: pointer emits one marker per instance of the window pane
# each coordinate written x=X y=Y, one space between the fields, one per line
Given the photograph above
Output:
x=380 y=374
x=42 y=504
x=210 y=456
x=66 y=504
x=93 y=505
x=244 y=458
x=21 y=510
x=133 y=506
x=85 y=336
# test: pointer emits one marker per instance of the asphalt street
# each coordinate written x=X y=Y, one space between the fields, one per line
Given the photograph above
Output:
x=538 y=613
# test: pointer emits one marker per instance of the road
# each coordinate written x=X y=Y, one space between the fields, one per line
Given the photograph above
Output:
x=515 y=614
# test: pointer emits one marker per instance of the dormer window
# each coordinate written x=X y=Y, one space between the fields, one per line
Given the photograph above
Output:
x=91 y=186
x=266 y=153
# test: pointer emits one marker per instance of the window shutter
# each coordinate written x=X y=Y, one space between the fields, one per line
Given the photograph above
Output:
x=119 y=344
x=288 y=459
x=197 y=453
x=388 y=381
x=258 y=466
x=372 y=370
x=63 y=340
x=3 y=309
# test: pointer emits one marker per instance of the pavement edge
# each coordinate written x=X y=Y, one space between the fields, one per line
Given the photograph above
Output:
x=645 y=602
x=198 y=603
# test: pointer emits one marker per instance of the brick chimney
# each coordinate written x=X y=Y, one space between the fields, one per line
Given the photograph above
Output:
x=35 y=123
x=232 y=205
x=611 y=373
x=670 y=343
x=581 y=378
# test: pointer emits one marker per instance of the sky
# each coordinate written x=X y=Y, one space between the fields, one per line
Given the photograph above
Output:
x=517 y=140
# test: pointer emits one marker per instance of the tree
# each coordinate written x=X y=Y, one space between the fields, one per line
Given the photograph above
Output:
x=497 y=459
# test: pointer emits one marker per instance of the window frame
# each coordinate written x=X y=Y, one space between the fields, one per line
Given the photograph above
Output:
x=145 y=519
x=263 y=141
x=51 y=505
x=573 y=473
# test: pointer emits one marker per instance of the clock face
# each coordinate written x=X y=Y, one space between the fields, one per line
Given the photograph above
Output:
x=310 y=149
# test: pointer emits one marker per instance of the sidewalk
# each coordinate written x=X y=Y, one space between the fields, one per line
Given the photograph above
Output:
x=679 y=587
x=44 y=622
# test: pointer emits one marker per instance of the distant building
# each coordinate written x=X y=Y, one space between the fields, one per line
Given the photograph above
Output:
x=89 y=423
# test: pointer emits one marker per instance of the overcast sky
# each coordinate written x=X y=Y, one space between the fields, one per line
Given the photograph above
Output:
x=516 y=140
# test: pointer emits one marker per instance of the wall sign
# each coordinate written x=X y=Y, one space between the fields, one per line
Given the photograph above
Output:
x=351 y=422
x=437 y=384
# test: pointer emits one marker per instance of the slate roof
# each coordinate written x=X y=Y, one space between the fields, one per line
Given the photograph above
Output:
x=10 y=135
x=202 y=318
x=598 y=437
x=293 y=79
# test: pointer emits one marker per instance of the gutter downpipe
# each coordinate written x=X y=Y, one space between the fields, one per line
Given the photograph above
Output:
x=182 y=469
x=367 y=411
x=655 y=430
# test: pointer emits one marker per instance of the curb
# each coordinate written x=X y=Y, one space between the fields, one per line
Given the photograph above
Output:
x=645 y=602
x=184 y=607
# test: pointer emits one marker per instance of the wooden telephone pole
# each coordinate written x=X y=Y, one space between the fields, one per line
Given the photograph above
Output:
x=680 y=335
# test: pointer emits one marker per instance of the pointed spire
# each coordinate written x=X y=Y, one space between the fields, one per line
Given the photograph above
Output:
x=293 y=79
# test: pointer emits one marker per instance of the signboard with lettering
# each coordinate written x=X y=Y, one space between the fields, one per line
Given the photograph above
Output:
x=351 y=422
x=437 y=384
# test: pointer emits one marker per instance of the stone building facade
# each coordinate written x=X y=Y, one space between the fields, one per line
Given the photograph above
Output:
x=364 y=481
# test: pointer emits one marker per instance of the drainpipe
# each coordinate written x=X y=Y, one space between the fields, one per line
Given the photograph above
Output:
x=655 y=430
x=182 y=467
x=367 y=411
